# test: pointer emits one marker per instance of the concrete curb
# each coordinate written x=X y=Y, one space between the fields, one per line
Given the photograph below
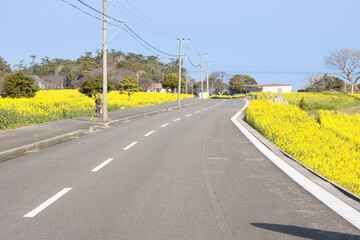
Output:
x=272 y=147
x=15 y=152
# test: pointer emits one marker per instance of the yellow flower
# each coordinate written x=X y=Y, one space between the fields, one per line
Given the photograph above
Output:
x=331 y=149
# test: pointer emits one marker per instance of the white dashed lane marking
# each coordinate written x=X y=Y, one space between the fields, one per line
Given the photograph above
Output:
x=131 y=145
x=102 y=165
x=44 y=205
x=149 y=133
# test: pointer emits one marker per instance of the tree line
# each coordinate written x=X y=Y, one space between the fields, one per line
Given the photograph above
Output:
x=68 y=74
x=85 y=74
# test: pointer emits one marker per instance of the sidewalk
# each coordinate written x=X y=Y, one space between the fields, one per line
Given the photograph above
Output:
x=15 y=142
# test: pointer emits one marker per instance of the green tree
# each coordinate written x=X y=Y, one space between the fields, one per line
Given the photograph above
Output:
x=237 y=82
x=45 y=70
x=128 y=85
x=172 y=82
x=321 y=83
x=66 y=72
x=18 y=84
x=22 y=66
x=94 y=85
x=173 y=67
x=4 y=67
x=87 y=67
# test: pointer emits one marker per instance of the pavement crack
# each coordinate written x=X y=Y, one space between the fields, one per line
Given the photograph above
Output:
x=218 y=211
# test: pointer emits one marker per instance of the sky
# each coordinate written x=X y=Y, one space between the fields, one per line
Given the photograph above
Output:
x=278 y=41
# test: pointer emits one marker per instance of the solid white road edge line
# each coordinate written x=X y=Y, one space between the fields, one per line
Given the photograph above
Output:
x=177 y=119
x=44 y=205
x=164 y=125
x=132 y=144
x=102 y=165
x=149 y=133
x=344 y=210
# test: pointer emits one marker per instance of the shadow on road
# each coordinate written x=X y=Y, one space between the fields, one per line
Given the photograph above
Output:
x=306 y=232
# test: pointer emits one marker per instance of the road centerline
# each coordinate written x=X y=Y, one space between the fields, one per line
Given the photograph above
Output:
x=149 y=133
x=164 y=125
x=177 y=119
x=131 y=145
x=102 y=165
x=188 y=115
x=47 y=203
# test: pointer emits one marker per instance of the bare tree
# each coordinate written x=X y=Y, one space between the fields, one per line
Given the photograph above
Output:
x=145 y=83
x=224 y=76
x=347 y=61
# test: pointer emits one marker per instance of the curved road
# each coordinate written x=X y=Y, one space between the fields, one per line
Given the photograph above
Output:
x=184 y=174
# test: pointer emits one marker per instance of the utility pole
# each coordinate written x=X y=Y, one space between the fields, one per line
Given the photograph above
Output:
x=207 y=79
x=179 y=86
x=202 y=76
x=104 y=112
x=202 y=87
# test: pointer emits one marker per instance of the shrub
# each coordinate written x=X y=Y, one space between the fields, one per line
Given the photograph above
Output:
x=302 y=104
x=18 y=85
x=94 y=85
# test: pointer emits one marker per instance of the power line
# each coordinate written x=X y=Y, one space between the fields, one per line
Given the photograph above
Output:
x=113 y=25
x=196 y=66
x=160 y=28
x=81 y=10
x=90 y=14
x=133 y=34
x=171 y=55
x=137 y=40
x=144 y=25
x=188 y=47
x=141 y=42
x=94 y=9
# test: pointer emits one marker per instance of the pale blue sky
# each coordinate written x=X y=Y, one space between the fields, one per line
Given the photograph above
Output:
x=278 y=41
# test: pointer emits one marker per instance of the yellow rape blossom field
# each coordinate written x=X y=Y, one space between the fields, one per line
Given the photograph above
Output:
x=315 y=101
x=331 y=148
x=348 y=127
x=227 y=96
x=52 y=105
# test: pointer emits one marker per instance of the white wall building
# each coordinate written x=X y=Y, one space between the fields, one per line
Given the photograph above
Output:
x=40 y=82
x=156 y=88
x=268 y=88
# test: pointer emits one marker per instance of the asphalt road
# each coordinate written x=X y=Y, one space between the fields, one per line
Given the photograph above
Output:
x=184 y=174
